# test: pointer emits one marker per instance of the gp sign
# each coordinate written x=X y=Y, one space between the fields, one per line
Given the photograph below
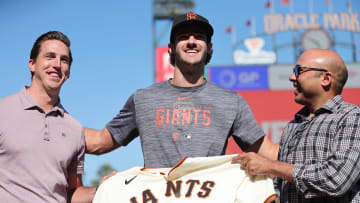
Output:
x=240 y=77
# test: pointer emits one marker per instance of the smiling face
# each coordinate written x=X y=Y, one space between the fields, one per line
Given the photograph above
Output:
x=191 y=48
x=51 y=67
x=308 y=84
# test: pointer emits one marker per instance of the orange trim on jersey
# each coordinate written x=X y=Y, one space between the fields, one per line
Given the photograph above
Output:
x=178 y=164
x=271 y=199
x=156 y=171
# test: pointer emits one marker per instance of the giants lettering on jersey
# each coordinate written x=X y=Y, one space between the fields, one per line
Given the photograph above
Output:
x=192 y=188
x=182 y=115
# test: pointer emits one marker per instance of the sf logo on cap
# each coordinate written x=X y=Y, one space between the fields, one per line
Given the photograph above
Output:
x=190 y=16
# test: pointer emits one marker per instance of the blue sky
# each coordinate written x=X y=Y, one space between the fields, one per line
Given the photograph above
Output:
x=113 y=53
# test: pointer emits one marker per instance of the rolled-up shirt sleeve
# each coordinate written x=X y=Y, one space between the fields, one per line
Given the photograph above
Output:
x=340 y=171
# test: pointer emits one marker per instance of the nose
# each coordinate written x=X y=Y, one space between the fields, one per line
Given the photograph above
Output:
x=191 y=39
x=292 y=77
x=57 y=62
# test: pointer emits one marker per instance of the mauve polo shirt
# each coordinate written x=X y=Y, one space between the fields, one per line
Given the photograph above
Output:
x=37 y=150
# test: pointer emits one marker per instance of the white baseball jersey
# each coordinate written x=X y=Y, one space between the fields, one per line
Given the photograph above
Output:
x=201 y=179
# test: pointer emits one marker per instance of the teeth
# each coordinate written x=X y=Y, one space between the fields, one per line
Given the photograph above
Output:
x=54 y=75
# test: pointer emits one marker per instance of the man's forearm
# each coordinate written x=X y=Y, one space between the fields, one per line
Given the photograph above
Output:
x=99 y=141
x=83 y=195
x=282 y=170
x=266 y=148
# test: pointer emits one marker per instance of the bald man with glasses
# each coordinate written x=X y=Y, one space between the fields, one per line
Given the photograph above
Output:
x=300 y=69
x=319 y=155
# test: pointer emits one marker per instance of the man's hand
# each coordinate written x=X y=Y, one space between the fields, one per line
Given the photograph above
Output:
x=253 y=163
x=256 y=164
x=107 y=177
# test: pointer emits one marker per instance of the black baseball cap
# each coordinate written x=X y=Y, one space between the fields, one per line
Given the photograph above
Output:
x=183 y=21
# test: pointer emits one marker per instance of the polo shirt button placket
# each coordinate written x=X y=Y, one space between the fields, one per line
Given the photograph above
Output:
x=46 y=131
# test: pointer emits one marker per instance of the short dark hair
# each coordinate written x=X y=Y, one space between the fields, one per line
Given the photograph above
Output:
x=51 y=35
x=341 y=77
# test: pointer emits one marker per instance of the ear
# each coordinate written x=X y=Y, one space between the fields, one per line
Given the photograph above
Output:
x=210 y=45
x=327 y=79
x=210 y=49
x=170 y=48
x=32 y=65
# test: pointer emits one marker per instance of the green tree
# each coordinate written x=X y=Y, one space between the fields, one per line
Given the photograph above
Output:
x=104 y=170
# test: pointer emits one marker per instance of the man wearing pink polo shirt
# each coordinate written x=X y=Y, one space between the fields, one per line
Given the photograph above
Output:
x=41 y=145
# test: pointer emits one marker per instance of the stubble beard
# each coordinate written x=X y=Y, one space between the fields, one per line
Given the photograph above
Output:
x=191 y=68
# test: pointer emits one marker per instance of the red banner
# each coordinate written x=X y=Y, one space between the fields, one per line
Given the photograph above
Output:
x=164 y=70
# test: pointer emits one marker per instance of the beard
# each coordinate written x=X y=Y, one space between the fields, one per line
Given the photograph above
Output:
x=190 y=67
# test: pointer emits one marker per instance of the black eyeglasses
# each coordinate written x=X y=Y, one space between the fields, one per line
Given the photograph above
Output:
x=298 y=68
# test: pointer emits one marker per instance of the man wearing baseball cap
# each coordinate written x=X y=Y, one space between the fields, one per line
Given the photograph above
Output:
x=186 y=116
x=186 y=20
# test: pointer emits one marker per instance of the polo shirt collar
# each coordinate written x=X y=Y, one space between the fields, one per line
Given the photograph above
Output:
x=333 y=103
x=29 y=103
x=330 y=106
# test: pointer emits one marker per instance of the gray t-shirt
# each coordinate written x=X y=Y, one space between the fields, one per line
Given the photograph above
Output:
x=175 y=122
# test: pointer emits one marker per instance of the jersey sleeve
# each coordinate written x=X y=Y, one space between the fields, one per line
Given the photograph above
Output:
x=123 y=126
x=246 y=130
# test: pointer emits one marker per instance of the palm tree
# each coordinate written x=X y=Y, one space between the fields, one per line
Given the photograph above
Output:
x=104 y=170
